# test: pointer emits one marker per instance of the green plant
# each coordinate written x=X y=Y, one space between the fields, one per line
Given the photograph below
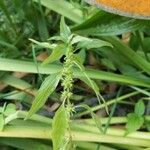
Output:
x=136 y=119
x=69 y=44
x=96 y=57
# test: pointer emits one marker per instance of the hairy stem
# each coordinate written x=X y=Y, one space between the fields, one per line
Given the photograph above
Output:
x=67 y=76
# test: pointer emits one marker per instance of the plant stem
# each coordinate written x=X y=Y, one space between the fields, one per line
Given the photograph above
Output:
x=92 y=146
x=110 y=116
x=67 y=76
x=91 y=137
x=110 y=102
x=23 y=114
x=39 y=118
x=112 y=111
x=25 y=130
x=46 y=122
x=110 y=131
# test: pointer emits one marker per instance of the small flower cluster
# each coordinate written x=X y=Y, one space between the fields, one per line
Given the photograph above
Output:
x=67 y=75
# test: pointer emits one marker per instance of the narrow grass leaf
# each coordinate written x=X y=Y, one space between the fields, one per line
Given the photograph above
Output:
x=19 y=143
x=108 y=63
x=9 y=45
x=147 y=123
x=29 y=67
x=95 y=118
x=65 y=32
x=42 y=27
x=47 y=87
x=4 y=8
x=130 y=54
x=2 y=122
x=10 y=109
x=16 y=82
x=64 y=8
x=143 y=91
x=92 y=84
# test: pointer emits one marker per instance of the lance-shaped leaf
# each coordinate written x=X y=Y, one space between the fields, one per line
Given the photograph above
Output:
x=47 y=87
x=59 y=128
x=44 y=44
x=56 y=54
x=88 y=43
x=92 y=84
x=65 y=32
x=89 y=82
x=85 y=79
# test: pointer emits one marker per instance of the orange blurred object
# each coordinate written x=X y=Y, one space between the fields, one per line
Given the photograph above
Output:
x=139 y=9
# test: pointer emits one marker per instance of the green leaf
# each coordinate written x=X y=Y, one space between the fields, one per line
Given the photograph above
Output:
x=29 y=67
x=85 y=78
x=44 y=44
x=2 y=122
x=95 y=118
x=91 y=83
x=133 y=57
x=59 y=128
x=47 y=88
x=146 y=43
x=56 y=54
x=139 y=108
x=55 y=38
x=110 y=25
x=88 y=43
x=134 y=122
x=93 y=43
x=64 y=8
x=19 y=143
x=65 y=32
x=41 y=23
x=81 y=56
x=78 y=62
x=4 y=8
x=10 y=109
x=108 y=63
x=1 y=110
x=78 y=38
x=148 y=125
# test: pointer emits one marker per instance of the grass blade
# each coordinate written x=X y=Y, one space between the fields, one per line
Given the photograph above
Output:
x=64 y=8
